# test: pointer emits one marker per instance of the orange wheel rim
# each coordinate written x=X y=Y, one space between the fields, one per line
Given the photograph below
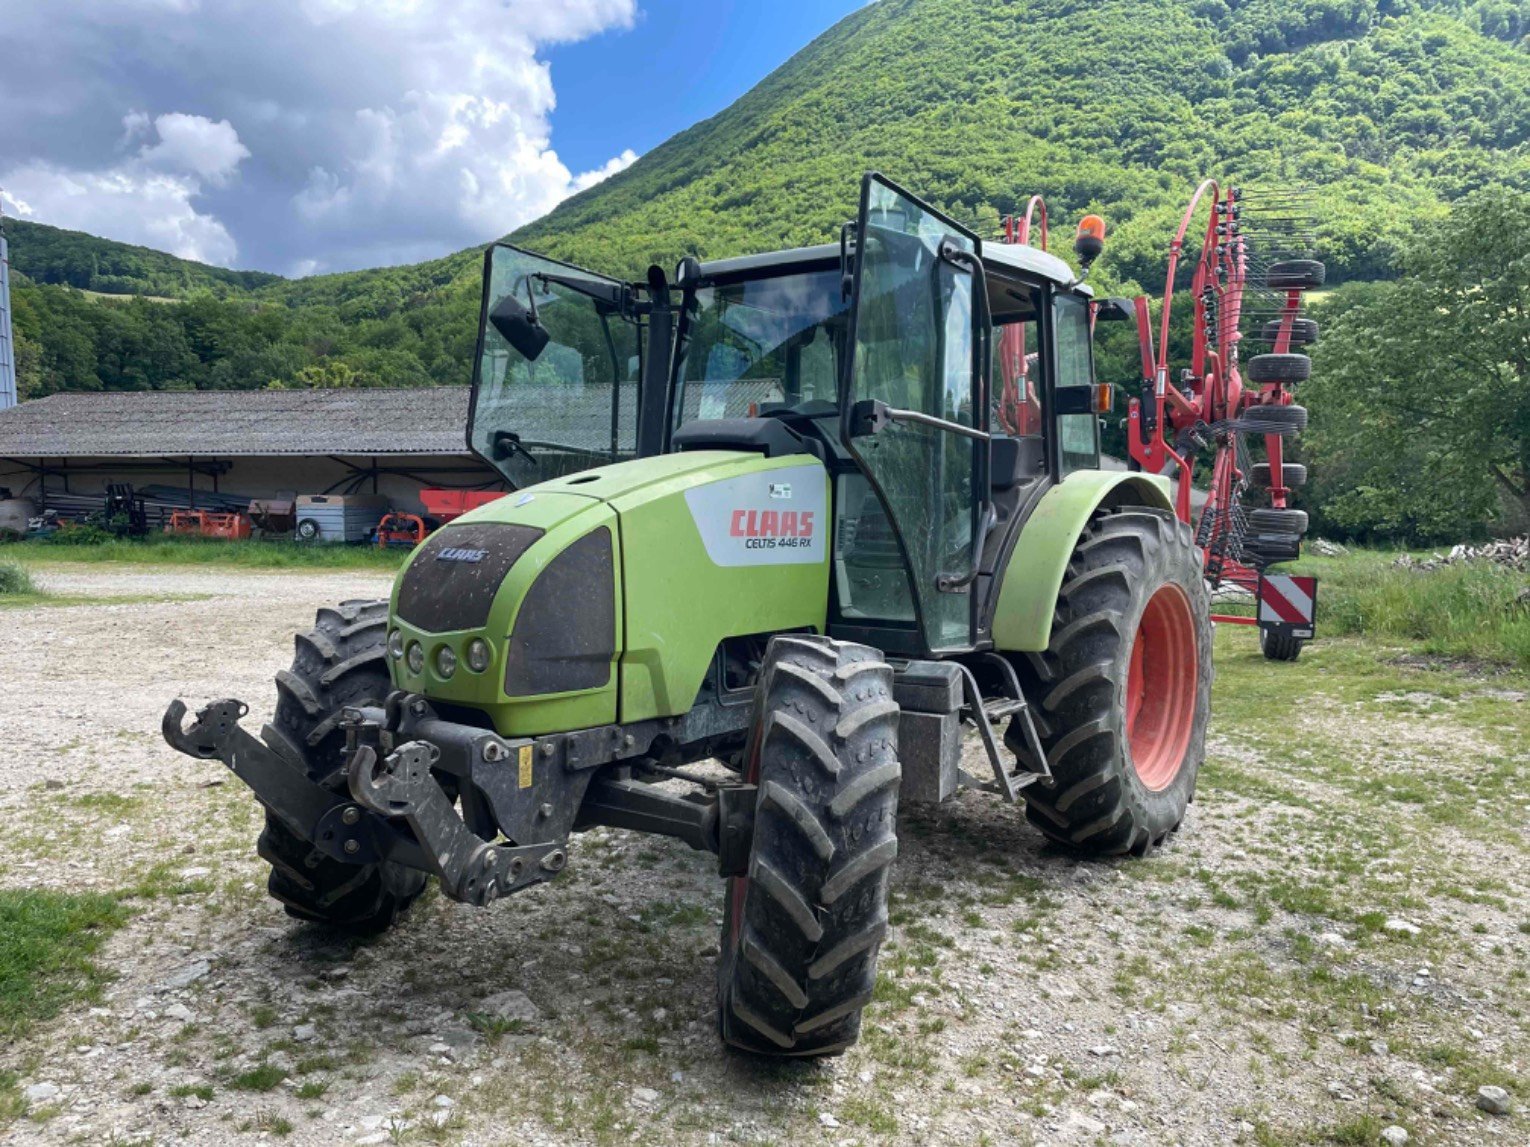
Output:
x=1161 y=685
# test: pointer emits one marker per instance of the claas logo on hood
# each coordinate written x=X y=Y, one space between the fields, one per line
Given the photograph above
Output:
x=772 y=524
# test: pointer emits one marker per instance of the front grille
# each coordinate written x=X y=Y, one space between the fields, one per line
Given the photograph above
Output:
x=565 y=633
x=451 y=583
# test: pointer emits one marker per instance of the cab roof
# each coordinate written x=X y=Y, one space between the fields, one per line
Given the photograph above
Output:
x=1011 y=256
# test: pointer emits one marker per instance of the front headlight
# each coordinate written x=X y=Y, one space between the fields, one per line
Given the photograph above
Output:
x=478 y=655
x=416 y=658
x=446 y=661
x=396 y=645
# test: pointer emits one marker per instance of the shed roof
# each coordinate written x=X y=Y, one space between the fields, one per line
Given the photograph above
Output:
x=237 y=423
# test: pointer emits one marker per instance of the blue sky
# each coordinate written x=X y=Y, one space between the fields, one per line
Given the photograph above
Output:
x=306 y=136
x=681 y=61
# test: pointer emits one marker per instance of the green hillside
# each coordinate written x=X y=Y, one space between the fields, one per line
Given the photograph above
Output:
x=1389 y=109
x=57 y=257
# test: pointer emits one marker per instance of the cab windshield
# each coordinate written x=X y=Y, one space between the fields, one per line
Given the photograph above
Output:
x=569 y=401
x=762 y=345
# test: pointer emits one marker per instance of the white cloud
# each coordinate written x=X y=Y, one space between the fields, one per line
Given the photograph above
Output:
x=322 y=134
x=145 y=198
x=130 y=204
x=619 y=163
x=194 y=144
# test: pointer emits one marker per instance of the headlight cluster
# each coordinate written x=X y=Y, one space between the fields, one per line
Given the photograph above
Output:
x=478 y=655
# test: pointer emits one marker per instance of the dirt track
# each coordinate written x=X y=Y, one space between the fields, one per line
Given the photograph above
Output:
x=1338 y=941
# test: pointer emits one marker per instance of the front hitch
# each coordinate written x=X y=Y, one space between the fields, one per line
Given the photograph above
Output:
x=330 y=821
x=471 y=869
x=396 y=808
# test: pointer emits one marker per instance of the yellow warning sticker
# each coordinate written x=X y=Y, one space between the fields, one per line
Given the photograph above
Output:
x=525 y=766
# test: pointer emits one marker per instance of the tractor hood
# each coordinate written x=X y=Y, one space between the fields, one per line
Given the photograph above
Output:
x=601 y=597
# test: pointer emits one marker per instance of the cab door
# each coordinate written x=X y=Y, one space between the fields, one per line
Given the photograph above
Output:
x=914 y=416
x=556 y=379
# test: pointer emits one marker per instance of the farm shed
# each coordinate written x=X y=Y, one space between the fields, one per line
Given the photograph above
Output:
x=255 y=443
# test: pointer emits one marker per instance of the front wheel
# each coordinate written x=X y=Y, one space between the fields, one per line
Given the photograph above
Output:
x=339 y=663
x=1124 y=688
x=802 y=929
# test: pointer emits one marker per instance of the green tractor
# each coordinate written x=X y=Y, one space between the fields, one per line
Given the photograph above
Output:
x=771 y=516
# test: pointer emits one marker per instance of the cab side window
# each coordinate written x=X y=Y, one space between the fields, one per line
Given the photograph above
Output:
x=1078 y=435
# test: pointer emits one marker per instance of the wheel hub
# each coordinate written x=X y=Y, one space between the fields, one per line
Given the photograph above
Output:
x=1161 y=688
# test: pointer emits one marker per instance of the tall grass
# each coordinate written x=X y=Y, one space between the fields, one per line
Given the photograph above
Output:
x=1466 y=610
x=15 y=580
x=210 y=551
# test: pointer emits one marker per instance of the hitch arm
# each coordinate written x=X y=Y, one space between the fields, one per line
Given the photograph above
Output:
x=329 y=821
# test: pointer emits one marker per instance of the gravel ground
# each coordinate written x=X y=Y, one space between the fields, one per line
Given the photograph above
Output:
x=1336 y=944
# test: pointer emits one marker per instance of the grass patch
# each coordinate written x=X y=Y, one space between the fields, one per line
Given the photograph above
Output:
x=161 y=550
x=1462 y=611
x=46 y=941
x=15 y=581
x=266 y=1077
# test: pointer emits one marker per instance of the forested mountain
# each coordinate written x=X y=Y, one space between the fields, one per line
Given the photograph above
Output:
x=1388 y=110
x=74 y=259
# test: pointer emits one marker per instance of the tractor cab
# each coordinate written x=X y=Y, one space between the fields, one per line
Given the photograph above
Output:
x=944 y=384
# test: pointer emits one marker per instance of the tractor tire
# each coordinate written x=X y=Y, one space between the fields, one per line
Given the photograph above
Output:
x=1263 y=550
x=1279 y=646
x=802 y=930
x=1278 y=521
x=1295 y=275
x=1284 y=368
x=340 y=662
x=1123 y=692
x=1293 y=474
x=1273 y=419
x=1304 y=332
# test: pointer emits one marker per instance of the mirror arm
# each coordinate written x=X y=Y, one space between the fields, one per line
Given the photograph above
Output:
x=894 y=414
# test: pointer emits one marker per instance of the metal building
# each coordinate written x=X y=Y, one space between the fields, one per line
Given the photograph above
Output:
x=7 y=347
x=62 y=451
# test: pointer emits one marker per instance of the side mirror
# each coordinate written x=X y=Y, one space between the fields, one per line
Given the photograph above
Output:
x=1115 y=310
x=519 y=327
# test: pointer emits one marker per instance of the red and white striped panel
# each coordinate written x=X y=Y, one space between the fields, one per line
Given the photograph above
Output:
x=1285 y=599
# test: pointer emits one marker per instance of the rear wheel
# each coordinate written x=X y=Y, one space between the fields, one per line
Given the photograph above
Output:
x=1283 y=368
x=1295 y=275
x=1279 y=646
x=1292 y=474
x=1304 y=332
x=1274 y=419
x=1261 y=550
x=1271 y=521
x=802 y=930
x=1124 y=689
x=339 y=663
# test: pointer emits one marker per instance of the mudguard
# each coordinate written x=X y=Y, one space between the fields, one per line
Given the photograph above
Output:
x=1030 y=584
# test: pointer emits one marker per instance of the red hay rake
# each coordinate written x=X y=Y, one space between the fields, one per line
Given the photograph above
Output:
x=1251 y=271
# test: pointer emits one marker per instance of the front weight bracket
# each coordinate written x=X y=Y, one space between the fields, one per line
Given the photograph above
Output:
x=471 y=869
